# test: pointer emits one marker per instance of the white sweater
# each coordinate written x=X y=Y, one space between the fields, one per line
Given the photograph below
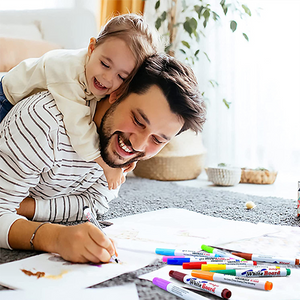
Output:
x=37 y=160
x=62 y=72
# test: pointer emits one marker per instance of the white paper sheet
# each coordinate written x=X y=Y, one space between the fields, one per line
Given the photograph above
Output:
x=176 y=227
x=62 y=274
x=283 y=241
x=128 y=292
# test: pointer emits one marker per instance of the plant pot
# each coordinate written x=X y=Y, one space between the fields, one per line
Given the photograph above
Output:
x=181 y=159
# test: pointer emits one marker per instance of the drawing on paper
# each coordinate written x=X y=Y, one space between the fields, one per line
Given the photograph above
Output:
x=37 y=274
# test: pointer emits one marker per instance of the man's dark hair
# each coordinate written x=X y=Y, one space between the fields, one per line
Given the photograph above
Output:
x=178 y=84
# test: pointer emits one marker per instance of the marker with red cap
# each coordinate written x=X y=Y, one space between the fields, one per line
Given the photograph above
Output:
x=269 y=258
x=198 y=264
x=202 y=285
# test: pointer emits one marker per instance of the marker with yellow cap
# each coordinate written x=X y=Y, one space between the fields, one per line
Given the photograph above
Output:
x=212 y=267
x=241 y=281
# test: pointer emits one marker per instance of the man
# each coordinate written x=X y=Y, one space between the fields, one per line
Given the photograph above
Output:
x=43 y=179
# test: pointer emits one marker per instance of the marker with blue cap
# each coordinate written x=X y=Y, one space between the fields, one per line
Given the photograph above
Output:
x=179 y=252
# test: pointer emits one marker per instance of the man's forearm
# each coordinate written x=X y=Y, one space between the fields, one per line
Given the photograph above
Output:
x=22 y=230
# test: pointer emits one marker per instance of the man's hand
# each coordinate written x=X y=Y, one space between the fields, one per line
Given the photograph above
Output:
x=84 y=243
x=80 y=243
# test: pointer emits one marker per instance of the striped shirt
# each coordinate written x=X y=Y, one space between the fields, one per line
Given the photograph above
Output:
x=37 y=160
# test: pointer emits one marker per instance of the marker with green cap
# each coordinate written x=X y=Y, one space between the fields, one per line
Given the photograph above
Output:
x=220 y=252
x=257 y=272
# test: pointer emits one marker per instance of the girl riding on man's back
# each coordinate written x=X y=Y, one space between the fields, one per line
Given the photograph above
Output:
x=75 y=77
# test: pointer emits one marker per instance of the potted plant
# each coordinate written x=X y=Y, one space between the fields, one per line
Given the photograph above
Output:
x=182 y=25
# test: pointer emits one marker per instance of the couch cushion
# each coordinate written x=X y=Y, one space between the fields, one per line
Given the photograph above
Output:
x=13 y=51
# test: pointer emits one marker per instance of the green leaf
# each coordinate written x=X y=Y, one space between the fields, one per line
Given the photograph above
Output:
x=158 y=23
x=213 y=83
x=186 y=44
x=227 y=103
x=247 y=10
x=182 y=51
x=246 y=37
x=215 y=16
x=233 y=25
x=190 y=25
x=207 y=56
x=197 y=36
x=197 y=52
x=157 y=4
x=199 y=10
x=163 y=16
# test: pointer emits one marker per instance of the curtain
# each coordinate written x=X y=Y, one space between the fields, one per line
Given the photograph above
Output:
x=260 y=78
x=109 y=8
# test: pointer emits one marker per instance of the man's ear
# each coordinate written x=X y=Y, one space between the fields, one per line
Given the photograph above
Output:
x=112 y=97
x=91 y=46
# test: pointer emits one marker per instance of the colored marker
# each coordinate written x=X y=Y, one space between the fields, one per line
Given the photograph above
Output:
x=241 y=281
x=268 y=258
x=89 y=215
x=211 y=267
x=219 y=252
x=202 y=285
x=198 y=264
x=180 y=261
x=224 y=249
x=175 y=252
x=176 y=290
x=256 y=272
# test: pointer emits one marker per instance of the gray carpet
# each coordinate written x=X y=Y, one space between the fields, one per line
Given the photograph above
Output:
x=139 y=195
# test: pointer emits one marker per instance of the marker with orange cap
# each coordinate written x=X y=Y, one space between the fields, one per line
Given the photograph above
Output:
x=241 y=281
x=268 y=258
x=202 y=285
x=199 y=264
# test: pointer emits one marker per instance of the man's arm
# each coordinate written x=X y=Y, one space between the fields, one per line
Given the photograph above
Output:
x=81 y=243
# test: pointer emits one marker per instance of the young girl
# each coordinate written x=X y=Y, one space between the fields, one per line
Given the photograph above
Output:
x=76 y=76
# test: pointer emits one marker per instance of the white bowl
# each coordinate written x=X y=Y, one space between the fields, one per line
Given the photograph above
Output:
x=224 y=176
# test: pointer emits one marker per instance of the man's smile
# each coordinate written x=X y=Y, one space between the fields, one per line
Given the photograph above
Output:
x=123 y=150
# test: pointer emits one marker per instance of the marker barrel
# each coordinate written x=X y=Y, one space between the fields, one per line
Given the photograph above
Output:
x=240 y=281
x=235 y=264
x=181 y=260
x=202 y=285
x=257 y=272
x=175 y=252
x=219 y=252
x=176 y=290
x=269 y=258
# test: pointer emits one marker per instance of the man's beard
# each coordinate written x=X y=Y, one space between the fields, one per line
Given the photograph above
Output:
x=105 y=137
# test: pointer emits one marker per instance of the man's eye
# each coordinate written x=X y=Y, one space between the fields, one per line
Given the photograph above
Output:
x=103 y=64
x=156 y=141
x=136 y=121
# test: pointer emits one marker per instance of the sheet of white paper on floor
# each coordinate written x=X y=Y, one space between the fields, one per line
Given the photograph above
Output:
x=128 y=292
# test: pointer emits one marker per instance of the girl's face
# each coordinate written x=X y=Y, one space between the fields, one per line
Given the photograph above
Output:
x=109 y=65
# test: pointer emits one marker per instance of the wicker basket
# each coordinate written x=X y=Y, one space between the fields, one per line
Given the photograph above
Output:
x=258 y=176
x=224 y=176
x=170 y=168
x=181 y=159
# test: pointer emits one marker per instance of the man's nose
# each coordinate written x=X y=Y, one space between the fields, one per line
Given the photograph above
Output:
x=139 y=142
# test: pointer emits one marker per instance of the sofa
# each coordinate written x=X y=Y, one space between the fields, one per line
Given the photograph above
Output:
x=31 y=33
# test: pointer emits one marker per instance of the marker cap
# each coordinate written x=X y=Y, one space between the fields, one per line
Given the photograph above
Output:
x=227 y=272
x=161 y=282
x=165 y=258
x=193 y=265
x=288 y=272
x=177 y=275
x=177 y=261
x=226 y=294
x=203 y=274
x=163 y=251
x=268 y=286
x=207 y=248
